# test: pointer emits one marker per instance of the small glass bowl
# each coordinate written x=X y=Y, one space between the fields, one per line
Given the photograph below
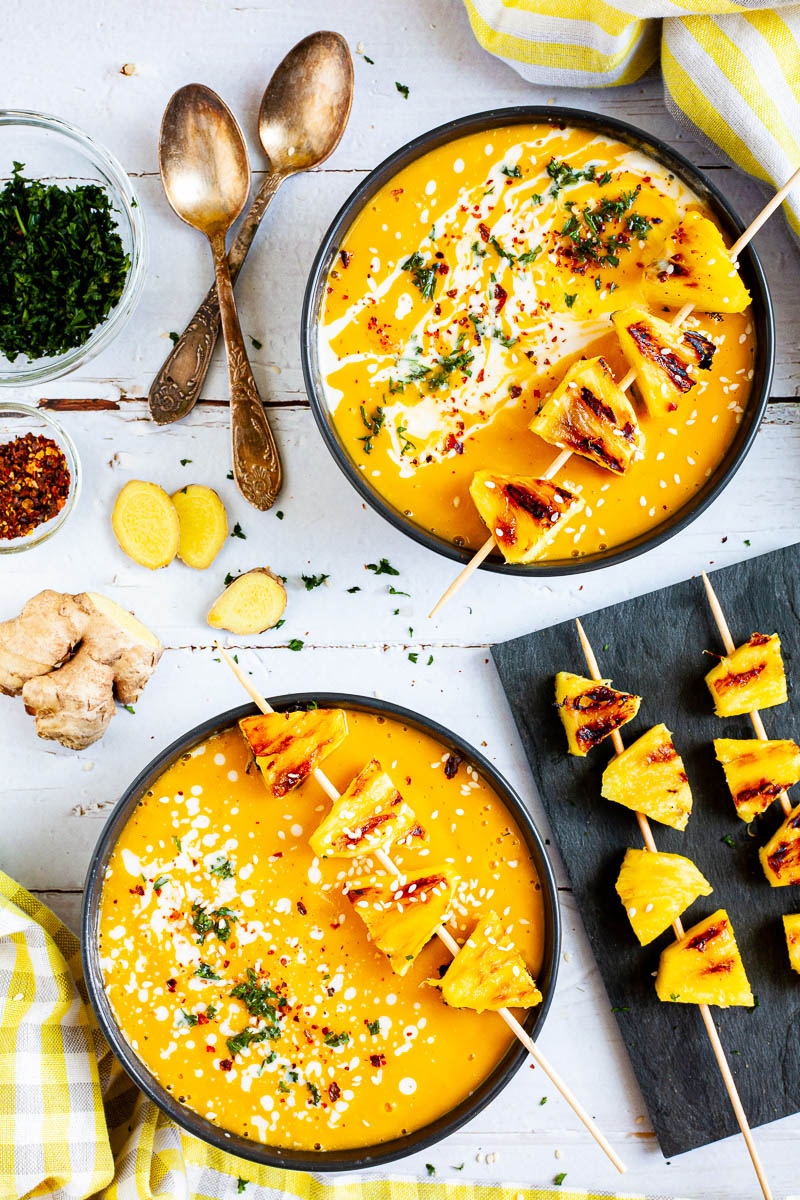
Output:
x=54 y=150
x=15 y=421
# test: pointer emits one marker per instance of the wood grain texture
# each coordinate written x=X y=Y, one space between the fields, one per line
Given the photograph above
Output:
x=657 y=646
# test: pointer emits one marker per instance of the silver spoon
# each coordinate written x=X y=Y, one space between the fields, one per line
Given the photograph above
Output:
x=206 y=176
x=301 y=120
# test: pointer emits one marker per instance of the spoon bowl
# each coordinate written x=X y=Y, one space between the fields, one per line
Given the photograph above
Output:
x=203 y=160
x=306 y=105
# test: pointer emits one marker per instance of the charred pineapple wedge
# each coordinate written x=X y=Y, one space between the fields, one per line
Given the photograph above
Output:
x=695 y=268
x=402 y=914
x=588 y=414
x=752 y=677
x=666 y=359
x=649 y=777
x=369 y=815
x=655 y=888
x=522 y=513
x=780 y=858
x=791 y=927
x=289 y=746
x=705 y=967
x=590 y=710
x=488 y=972
x=756 y=771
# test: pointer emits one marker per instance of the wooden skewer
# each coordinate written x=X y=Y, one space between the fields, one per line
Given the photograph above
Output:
x=677 y=925
x=730 y=646
x=452 y=945
x=626 y=381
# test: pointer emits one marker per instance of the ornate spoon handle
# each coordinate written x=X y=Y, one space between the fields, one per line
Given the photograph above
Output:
x=177 y=386
x=256 y=465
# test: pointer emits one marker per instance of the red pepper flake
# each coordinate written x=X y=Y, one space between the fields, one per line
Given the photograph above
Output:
x=514 y=391
x=34 y=484
x=136 y=891
x=334 y=1091
x=500 y=295
x=226 y=1064
x=345 y=256
x=483 y=230
x=301 y=908
x=171 y=985
x=378 y=1060
x=452 y=765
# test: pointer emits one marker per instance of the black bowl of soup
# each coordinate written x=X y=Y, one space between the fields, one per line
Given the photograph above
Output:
x=201 y=877
x=462 y=278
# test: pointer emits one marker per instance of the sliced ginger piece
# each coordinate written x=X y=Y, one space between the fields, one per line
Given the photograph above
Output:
x=655 y=888
x=369 y=815
x=288 y=746
x=705 y=967
x=203 y=525
x=251 y=603
x=403 y=914
x=146 y=525
x=488 y=972
x=791 y=927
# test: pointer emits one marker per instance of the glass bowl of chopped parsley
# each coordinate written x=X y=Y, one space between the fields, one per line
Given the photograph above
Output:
x=72 y=248
x=40 y=476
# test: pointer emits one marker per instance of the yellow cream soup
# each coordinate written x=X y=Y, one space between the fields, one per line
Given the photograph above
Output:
x=512 y=306
x=363 y=1055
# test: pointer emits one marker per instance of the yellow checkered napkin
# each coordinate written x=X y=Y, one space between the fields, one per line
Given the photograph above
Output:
x=731 y=70
x=72 y=1125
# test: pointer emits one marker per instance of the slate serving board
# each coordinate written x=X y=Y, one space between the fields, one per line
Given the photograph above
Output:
x=654 y=646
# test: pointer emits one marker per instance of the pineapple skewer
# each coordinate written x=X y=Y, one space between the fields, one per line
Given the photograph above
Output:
x=677 y=925
x=728 y=643
x=680 y=316
x=452 y=945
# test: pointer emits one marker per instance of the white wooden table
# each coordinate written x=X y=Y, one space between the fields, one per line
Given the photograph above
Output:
x=53 y=802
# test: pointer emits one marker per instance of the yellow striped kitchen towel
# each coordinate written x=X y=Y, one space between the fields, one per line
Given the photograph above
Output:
x=731 y=70
x=73 y=1126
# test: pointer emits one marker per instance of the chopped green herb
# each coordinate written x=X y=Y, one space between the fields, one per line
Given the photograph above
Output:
x=184 y=461
x=249 y=1037
x=674 y=996
x=229 y=475
x=241 y=1184
x=728 y=840
x=384 y=567
x=511 y=172
x=130 y=708
x=161 y=882
x=218 y=921
x=337 y=1039
x=529 y=256
x=374 y=1027
x=229 y=579
x=373 y=424
x=405 y=442
x=402 y=89
x=493 y=242
x=621 y=1008
x=279 y=514
x=204 y=971
x=278 y=624
x=422 y=274
x=430 y=660
x=257 y=345
x=188 y=1019
x=559 y=1179
x=413 y=657
x=282 y=1086
x=62 y=265
x=177 y=842
x=570 y=298
x=393 y=591
x=174 y=337
x=296 y=644
x=430 y=1168
x=369 y=60
x=543 y=1100
x=353 y=589
x=606 y=645
x=237 y=531
x=223 y=869
x=563 y=175
x=313 y=581
x=314 y=1090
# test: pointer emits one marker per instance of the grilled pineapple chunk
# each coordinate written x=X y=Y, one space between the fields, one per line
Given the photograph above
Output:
x=780 y=858
x=402 y=915
x=791 y=927
x=705 y=967
x=288 y=746
x=752 y=677
x=757 y=771
x=590 y=710
x=588 y=414
x=522 y=513
x=696 y=268
x=649 y=777
x=489 y=972
x=666 y=359
x=656 y=888
x=370 y=815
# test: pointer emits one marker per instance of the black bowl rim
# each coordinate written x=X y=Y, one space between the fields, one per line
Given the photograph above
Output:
x=656 y=148
x=359 y=1158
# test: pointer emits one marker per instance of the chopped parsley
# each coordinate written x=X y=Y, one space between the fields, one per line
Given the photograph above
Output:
x=218 y=921
x=374 y=424
x=405 y=442
x=204 y=971
x=241 y=1184
x=457 y=360
x=296 y=644
x=249 y=1037
x=161 y=882
x=402 y=89
x=430 y=1168
x=237 y=531
x=393 y=591
x=314 y=1090
x=222 y=869
x=337 y=1040
x=256 y=344
x=353 y=589
x=422 y=274
x=184 y=461
x=563 y=175
x=374 y=1027
x=728 y=840
x=559 y=1179
x=313 y=581
x=384 y=567
x=173 y=337
x=511 y=172
x=570 y=298
x=257 y=996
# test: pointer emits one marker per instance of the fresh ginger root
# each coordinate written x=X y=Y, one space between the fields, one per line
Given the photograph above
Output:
x=145 y=523
x=203 y=525
x=72 y=698
x=252 y=603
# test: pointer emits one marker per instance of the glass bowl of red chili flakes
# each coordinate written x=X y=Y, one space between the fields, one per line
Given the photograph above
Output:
x=40 y=476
